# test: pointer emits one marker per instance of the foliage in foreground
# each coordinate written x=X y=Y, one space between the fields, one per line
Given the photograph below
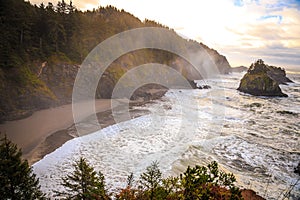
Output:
x=17 y=181
x=84 y=183
x=196 y=183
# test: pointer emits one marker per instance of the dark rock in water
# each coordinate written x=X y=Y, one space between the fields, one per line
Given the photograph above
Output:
x=196 y=86
x=263 y=80
x=258 y=105
x=206 y=87
x=260 y=85
x=297 y=169
x=149 y=92
x=193 y=84
x=285 y=112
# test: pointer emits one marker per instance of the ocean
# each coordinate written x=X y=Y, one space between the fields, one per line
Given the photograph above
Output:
x=255 y=138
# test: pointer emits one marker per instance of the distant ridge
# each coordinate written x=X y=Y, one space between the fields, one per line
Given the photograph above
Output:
x=239 y=69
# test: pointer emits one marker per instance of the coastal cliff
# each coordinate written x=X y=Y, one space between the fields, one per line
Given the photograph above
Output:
x=38 y=72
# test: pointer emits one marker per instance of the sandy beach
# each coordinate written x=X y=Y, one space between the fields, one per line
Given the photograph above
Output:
x=46 y=130
x=30 y=132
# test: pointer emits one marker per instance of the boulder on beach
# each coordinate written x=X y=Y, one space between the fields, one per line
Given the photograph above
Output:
x=263 y=80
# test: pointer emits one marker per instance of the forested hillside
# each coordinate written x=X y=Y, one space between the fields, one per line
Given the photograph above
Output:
x=42 y=47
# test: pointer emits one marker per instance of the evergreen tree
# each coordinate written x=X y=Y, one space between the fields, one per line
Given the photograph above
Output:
x=16 y=178
x=84 y=183
x=197 y=183
x=62 y=7
x=151 y=180
x=209 y=182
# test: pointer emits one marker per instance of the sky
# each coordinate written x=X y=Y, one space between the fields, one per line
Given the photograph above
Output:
x=242 y=30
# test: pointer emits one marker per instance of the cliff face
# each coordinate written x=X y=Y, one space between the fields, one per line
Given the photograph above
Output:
x=278 y=74
x=220 y=61
x=22 y=92
x=260 y=85
x=263 y=80
x=59 y=78
x=43 y=85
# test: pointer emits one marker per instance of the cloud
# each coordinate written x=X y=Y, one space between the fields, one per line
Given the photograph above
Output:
x=268 y=30
x=277 y=17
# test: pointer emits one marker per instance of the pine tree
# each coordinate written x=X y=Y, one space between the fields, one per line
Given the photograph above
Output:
x=151 y=180
x=84 y=183
x=16 y=178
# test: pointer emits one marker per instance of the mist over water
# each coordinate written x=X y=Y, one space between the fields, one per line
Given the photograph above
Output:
x=252 y=137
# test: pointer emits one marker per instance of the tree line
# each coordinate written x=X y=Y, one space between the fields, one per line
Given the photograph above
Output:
x=36 y=32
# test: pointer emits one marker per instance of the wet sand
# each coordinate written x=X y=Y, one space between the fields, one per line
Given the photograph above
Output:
x=58 y=138
x=47 y=130
x=32 y=131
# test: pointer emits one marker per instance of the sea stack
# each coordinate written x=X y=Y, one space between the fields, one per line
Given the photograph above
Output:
x=263 y=80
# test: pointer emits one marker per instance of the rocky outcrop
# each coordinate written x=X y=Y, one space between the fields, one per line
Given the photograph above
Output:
x=263 y=80
x=278 y=74
x=149 y=92
x=194 y=85
x=22 y=92
x=59 y=78
x=260 y=85
x=35 y=86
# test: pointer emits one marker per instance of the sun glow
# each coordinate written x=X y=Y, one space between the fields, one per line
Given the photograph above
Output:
x=88 y=7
